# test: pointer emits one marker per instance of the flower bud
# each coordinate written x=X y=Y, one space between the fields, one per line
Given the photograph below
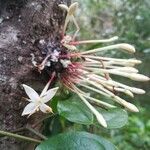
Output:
x=127 y=92
x=63 y=7
x=137 y=90
x=101 y=119
x=131 y=107
x=127 y=47
x=139 y=77
x=72 y=8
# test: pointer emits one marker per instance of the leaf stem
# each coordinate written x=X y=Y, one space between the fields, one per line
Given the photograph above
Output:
x=25 y=138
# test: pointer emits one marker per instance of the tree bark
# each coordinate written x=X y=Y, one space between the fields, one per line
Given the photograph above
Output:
x=23 y=23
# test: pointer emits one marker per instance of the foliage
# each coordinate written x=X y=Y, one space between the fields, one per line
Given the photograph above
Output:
x=75 y=111
x=129 y=20
x=76 y=141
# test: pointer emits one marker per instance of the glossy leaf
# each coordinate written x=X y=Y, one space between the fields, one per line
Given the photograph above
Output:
x=76 y=141
x=115 y=118
x=75 y=111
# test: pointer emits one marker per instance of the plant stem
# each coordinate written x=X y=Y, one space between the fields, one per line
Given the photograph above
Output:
x=18 y=130
x=34 y=125
x=19 y=136
x=31 y=130
x=36 y=133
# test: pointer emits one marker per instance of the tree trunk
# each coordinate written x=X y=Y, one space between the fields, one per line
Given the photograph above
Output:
x=23 y=23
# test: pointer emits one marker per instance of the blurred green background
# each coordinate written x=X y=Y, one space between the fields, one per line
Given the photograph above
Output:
x=130 y=20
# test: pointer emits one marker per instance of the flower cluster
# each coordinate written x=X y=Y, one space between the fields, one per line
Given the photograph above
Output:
x=87 y=70
x=92 y=72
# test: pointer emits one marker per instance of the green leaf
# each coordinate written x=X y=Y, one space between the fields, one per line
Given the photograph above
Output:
x=76 y=141
x=75 y=111
x=115 y=118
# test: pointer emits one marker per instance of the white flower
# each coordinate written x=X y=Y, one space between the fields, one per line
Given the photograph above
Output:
x=37 y=102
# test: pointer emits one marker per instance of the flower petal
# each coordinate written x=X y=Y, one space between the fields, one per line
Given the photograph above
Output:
x=45 y=108
x=33 y=95
x=29 y=109
x=45 y=89
x=49 y=95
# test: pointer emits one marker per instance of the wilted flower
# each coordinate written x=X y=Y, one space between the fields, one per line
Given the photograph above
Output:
x=70 y=16
x=37 y=102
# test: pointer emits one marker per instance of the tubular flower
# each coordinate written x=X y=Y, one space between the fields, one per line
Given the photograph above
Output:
x=37 y=102
x=88 y=70
x=93 y=73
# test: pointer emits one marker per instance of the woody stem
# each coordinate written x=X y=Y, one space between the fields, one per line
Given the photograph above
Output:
x=25 y=138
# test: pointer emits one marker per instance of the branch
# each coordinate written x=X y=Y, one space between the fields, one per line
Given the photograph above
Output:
x=19 y=137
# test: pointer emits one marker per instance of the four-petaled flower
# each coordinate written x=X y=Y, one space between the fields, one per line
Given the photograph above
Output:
x=37 y=102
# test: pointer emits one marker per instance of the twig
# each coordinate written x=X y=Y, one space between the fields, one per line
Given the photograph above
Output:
x=36 y=133
x=18 y=130
x=25 y=138
x=31 y=130
x=34 y=125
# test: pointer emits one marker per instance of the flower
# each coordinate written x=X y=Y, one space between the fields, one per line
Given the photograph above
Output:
x=37 y=102
x=70 y=14
x=89 y=71
x=92 y=72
